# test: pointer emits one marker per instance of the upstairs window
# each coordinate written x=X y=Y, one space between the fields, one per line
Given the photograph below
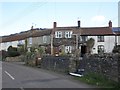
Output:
x=100 y=38
x=30 y=40
x=68 y=34
x=58 y=34
x=20 y=42
x=44 y=39
x=83 y=38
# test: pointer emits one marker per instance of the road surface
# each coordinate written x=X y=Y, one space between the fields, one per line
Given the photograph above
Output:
x=15 y=75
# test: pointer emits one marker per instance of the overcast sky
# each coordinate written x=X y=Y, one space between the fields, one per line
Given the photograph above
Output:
x=20 y=16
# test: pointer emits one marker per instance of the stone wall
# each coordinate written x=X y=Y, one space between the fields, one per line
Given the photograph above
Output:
x=59 y=63
x=106 y=64
x=15 y=59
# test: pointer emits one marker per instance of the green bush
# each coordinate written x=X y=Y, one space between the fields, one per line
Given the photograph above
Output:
x=116 y=49
x=12 y=51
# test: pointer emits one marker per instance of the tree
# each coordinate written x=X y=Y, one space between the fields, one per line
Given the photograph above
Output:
x=90 y=43
x=12 y=51
x=116 y=49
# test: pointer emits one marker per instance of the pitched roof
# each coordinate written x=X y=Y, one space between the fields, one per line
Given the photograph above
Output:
x=97 y=31
x=14 y=37
x=26 y=34
x=41 y=33
x=88 y=31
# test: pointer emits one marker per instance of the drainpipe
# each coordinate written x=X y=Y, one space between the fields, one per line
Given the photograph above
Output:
x=76 y=41
x=51 y=44
x=115 y=39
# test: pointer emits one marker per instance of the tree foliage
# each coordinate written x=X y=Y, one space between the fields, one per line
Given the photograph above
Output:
x=90 y=43
x=116 y=49
x=12 y=51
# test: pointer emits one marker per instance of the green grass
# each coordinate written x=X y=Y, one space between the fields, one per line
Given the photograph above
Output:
x=98 y=80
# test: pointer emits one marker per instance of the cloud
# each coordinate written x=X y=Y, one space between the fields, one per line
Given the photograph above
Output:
x=98 y=19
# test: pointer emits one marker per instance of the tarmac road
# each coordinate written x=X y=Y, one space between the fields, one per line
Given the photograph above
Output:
x=15 y=75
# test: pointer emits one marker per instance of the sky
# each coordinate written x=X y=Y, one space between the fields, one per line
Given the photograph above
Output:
x=20 y=16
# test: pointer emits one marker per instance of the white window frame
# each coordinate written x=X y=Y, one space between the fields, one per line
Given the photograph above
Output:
x=68 y=49
x=30 y=40
x=58 y=34
x=44 y=39
x=101 y=38
x=83 y=38
x=68 y=34
x=20 y=42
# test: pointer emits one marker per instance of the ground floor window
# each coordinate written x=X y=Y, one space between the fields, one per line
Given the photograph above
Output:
x=100 y=49
x=68 y=49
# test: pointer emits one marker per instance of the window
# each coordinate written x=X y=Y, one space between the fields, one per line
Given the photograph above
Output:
x=30 y=40
x=20 y=42
x=68 y=49
x=68 y=34
x=100 y=38
x=83 y=38
x=100 y=49
x=58 y=34
x=44 y=39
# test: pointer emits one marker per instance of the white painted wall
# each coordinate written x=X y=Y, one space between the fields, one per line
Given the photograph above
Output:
x=109 y=42
x=118 y=40
x=4 y=46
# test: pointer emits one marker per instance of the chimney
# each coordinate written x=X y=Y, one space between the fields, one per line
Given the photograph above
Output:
x=54 y=24
x=31 y=27
x=110 y=23
x=78 y=23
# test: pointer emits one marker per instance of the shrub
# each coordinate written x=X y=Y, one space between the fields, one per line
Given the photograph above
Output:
x=90 y=43
x=116 y=49
x=12 y=51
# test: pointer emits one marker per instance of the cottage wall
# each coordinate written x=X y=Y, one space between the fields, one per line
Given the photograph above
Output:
x=109 y=43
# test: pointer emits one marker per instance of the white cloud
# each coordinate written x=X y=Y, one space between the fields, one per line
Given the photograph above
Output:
x=98 y=19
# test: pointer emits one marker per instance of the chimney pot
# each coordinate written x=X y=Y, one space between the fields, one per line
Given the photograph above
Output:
x=78 y=23
x=54 y=25
x=110 y=23
x=32 y=28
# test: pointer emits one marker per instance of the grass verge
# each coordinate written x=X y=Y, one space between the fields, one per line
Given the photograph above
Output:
x=99 y=80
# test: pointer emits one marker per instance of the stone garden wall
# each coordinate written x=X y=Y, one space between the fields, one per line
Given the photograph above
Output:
x=59 y=63
x=106 y=64
x=15 y=59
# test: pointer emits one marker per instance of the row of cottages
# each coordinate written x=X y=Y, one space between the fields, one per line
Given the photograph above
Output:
x=34 y=37
x=69 y=39
x=59 y=40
